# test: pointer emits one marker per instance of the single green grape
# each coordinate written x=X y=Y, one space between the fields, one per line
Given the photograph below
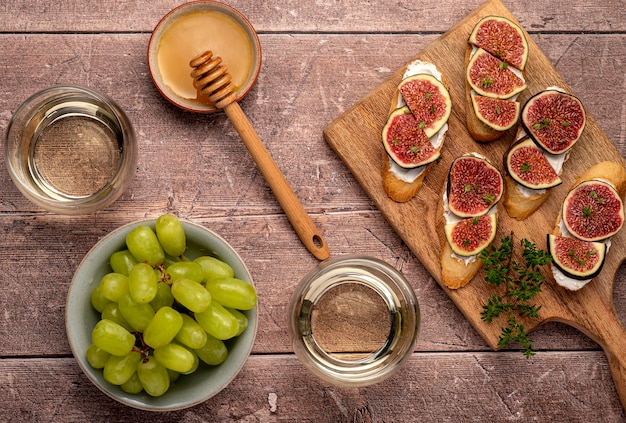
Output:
x=98 y=301
x=191 y=295
x=213 y=352
x=217 y=321
x=113 y=286
x=232 y=292
x=143 y=244
x=214 y=268
x=96 y=357
x=196 y=361
x=132 y=385
x=163 y=297
x=119 y=369
x=112 y=312
x=122 y=262
x=174 y=357
x=163 y=327
x=191 y=333
x=242 y=319
x=185 y=270
x=136 y=314
x=112 y=338
x=142 y=283
x=153 y=377
x=171 y=234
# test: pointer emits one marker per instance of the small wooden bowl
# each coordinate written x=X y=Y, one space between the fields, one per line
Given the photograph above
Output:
x=171 y=26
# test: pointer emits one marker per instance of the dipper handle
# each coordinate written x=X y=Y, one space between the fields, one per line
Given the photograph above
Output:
x=212 y=79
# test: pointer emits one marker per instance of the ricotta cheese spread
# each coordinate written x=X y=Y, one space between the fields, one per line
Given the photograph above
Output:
x=453 y=218
x=410 y=175
x=555 y=160
x=561 y=278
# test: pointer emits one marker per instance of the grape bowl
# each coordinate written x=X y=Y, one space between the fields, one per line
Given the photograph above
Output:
x=184 y=388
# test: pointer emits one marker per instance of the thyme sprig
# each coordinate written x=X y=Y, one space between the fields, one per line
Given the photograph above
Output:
x=521 y=282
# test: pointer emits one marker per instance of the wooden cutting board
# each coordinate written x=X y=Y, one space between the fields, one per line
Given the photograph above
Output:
x=355 y=137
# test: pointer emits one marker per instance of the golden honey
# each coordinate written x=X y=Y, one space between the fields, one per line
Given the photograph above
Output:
x=194 y=33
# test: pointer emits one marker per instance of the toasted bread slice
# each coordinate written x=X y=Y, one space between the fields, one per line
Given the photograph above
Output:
x=476 y=128
x=518 y=205
x=398 y=189
x=456 y=273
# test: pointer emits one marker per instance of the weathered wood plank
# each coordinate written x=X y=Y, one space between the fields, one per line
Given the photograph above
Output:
x=560 y=386
x=325 y=16
x=306 y=89
x=40 y=253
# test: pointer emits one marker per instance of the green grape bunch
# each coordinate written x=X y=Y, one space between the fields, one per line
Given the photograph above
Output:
x=162 y=314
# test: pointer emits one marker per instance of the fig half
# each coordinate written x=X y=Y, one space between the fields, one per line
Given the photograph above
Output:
x=528 y=165
x=491 y=77
x=474 y=186
x=405 y=140
x=496 y=113
x=575 y=258
x=502 y=38
x=470 y=236
x=554 y=120
x=429 y=101
x=593 y=211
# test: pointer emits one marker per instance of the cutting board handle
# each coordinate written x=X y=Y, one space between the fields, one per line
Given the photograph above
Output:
x=617 y=364
x=607 y=330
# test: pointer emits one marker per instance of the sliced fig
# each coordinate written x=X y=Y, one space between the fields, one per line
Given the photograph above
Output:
x=576 y=258
x=405 y=140
x=491 y=77
x=593 y=211
x=529 y=166
x=554 y=120
x=474 y=186
x=496 y=113
x=470 y=236
x=502 y=38
x=428 y=99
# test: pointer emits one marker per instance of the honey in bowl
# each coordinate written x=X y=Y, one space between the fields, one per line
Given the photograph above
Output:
x=192 y=29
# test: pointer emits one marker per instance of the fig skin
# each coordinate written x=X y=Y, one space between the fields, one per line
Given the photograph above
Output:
x=526 y=142
x=596 y=203
x=487 y=199
x=505 y=105
x=431 y=105
x=489 y=76
x=563 y=118
x=471 y=228
x=413 y=134
x=559 y=263
x=502 y=30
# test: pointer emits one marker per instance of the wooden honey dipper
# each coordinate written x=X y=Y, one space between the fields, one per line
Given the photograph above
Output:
x=212 y=79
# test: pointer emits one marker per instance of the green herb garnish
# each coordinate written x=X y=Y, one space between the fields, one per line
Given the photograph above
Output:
x=504 y=65
x=525 y=167
x=521 y=282
x=544 y=123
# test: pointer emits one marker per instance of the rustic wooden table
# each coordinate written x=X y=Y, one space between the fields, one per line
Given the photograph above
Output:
x=319 y=58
